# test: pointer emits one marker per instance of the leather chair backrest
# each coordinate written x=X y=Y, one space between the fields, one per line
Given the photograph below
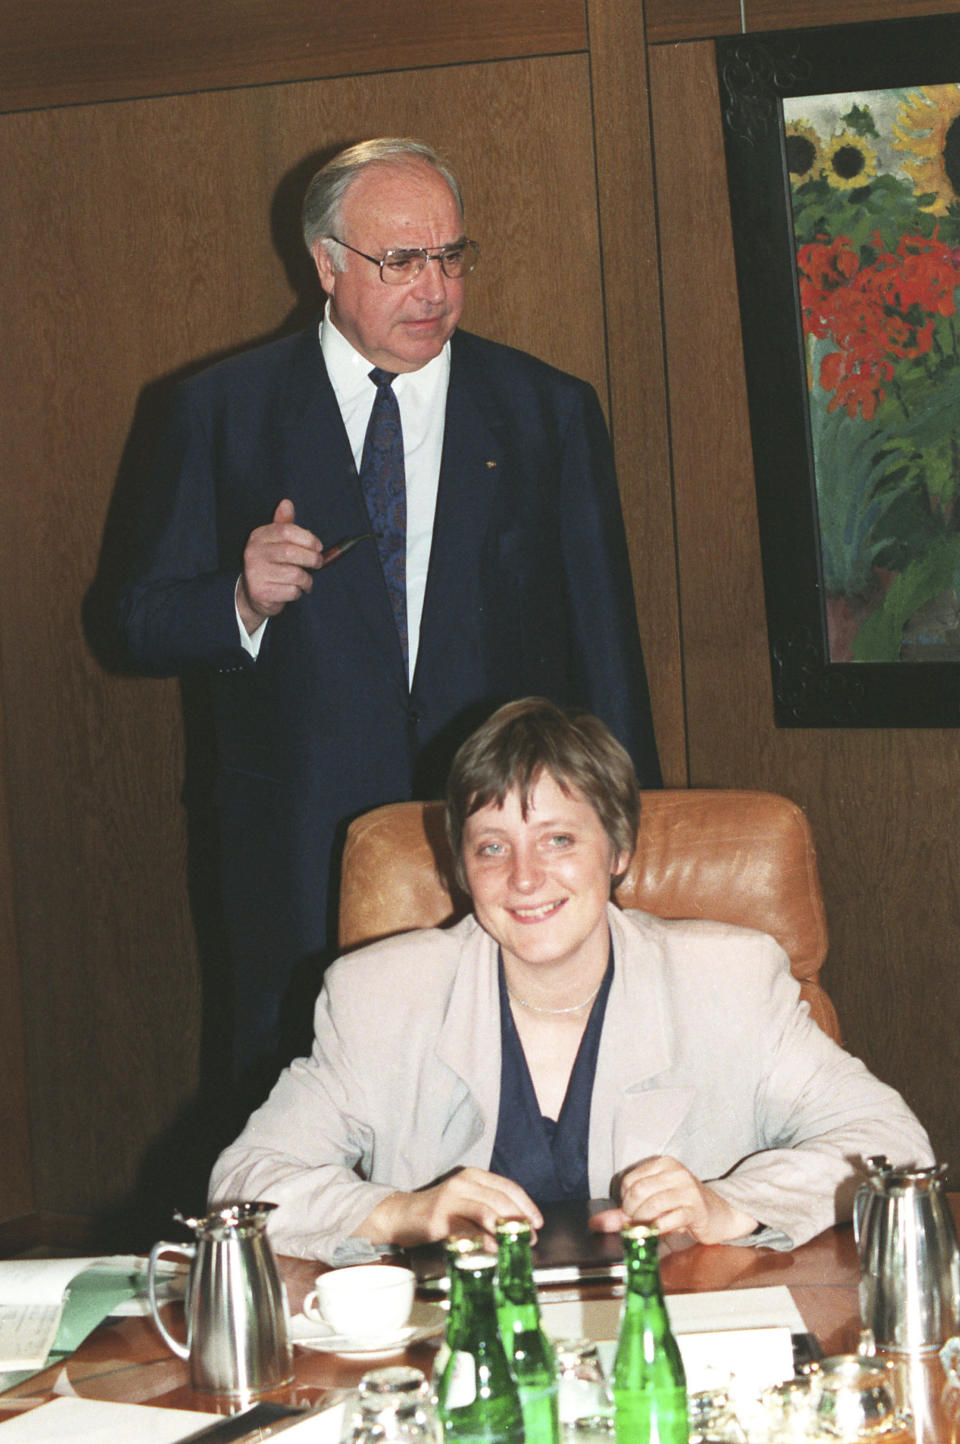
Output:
x=731 y=856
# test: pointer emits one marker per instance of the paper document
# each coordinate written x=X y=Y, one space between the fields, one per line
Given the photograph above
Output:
x=51 y=1302
x=31 y=1303
x=743 y=1333
x=689 y=1313
x=88 y=1421
x=27 y=1332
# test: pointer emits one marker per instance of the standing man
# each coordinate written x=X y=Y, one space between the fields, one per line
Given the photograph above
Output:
x=497 y=565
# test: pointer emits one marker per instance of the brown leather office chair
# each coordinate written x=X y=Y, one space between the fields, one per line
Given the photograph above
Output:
x=736 y=857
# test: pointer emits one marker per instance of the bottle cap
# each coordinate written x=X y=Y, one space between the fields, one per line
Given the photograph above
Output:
x=639 y=1230
x=396 y=1379
x=514 y=1227
x=461 y=1243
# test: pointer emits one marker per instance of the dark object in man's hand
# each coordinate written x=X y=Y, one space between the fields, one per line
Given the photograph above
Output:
x=340 y=549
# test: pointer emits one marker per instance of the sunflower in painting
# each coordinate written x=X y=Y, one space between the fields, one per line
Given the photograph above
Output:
x=849 y=161
x=803 y=151
x=928 y=130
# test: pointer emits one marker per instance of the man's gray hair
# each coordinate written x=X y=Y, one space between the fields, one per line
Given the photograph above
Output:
x=323 y=201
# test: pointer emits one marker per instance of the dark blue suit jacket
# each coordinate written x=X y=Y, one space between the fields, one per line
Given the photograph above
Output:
x=528 y=592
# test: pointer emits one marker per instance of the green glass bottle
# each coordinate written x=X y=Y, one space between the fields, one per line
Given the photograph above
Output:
x=453 y=1247
x=477 y=1398
x=649 y=1384
x=530 y=1353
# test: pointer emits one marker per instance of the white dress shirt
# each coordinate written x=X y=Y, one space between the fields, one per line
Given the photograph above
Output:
x=422 y=398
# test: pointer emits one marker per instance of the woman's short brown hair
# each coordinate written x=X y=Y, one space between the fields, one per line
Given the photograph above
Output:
x=526 y=738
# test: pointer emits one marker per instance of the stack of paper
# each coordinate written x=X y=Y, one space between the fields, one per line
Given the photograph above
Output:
x=90 y=1421
x=31 y=1305
x=53 y=1304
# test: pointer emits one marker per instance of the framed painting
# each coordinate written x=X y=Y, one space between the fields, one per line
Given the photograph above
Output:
x=843 y=166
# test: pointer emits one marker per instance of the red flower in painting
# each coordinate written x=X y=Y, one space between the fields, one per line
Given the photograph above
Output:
x=824 y=268
x=877 y=314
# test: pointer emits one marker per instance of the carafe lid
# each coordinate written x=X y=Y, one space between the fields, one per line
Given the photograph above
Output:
x=887 y=1179
x=234 y=1219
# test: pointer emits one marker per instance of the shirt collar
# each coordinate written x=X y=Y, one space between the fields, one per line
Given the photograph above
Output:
x=349 y=371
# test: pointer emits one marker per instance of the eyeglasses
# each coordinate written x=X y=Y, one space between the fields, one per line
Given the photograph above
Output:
x=400 y=266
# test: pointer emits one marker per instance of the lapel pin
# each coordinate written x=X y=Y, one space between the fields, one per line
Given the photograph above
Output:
x=491 y=465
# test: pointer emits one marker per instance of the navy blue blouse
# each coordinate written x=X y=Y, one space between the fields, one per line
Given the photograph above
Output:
x=547 y=1157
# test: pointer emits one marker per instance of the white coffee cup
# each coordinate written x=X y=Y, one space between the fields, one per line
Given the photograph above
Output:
x=364 y=1301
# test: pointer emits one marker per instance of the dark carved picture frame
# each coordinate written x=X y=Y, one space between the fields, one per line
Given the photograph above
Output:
x=757 y=73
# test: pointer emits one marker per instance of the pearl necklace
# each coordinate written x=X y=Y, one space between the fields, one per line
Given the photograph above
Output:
x=554 y=1012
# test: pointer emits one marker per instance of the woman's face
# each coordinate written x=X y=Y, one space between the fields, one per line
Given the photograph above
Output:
x=540 y=884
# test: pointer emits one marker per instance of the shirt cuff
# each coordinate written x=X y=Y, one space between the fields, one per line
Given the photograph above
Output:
x=249 y=641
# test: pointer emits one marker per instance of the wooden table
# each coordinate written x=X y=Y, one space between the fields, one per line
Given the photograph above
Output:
x=127 y=1361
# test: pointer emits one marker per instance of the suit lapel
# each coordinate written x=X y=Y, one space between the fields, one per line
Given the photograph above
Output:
x=631 y=1118
x=469 y=1043
x=325 y=489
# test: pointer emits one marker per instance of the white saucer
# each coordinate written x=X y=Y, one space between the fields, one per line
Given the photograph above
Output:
x=426 y=1321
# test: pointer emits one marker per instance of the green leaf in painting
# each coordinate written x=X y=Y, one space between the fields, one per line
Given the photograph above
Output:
x=881 y=636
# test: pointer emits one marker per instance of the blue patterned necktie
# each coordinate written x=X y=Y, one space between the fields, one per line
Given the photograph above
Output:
x=384 y=486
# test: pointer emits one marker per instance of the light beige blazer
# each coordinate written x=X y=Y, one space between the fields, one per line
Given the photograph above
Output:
x=403 y=1084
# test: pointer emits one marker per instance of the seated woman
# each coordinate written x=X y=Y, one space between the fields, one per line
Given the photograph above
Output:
x=550 y=1046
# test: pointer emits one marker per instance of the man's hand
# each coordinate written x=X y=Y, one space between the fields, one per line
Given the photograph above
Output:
x=662 y=1193
x=278 y=565
x=470 y=1200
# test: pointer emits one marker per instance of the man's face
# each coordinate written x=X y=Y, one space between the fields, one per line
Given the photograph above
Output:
x=399 y=328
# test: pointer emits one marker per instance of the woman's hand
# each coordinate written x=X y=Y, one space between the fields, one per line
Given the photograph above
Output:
x=467 y=1201
x=662 y=1193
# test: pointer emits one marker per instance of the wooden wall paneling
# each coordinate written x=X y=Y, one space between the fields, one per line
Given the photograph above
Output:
x=98 y=841
x=724 y=631
x=781 y=15
x=881 y=802
x=539 y=285
x=16 y=1175
x=106 y=290
x=145 y=237
x=671 y=20
x=628 y=225
x=668 y=21
x=66 y=52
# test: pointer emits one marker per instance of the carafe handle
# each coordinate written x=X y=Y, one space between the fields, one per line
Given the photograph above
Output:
x=188 y=1251
x=877 y=1167
x=860 y=1200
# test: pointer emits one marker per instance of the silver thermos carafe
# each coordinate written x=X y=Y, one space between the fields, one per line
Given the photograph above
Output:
x=238 y=1341
x=909 y=1257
